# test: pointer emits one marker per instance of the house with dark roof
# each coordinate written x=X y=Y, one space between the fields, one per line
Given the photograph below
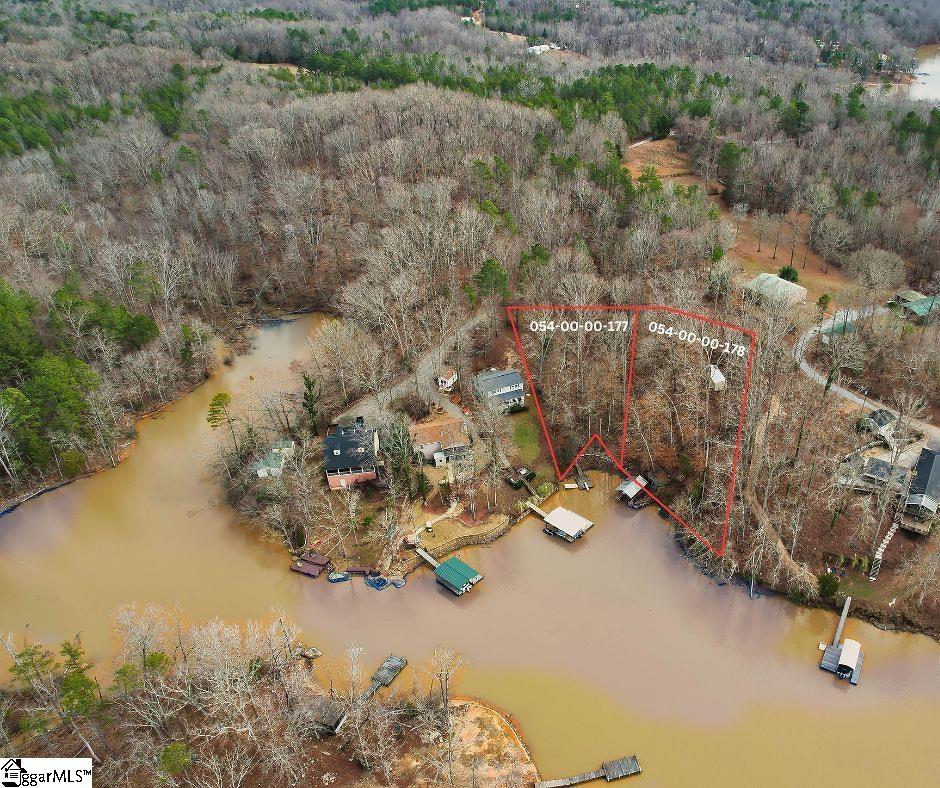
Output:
x=923 y=496
x=350 y=455
x=501 y=387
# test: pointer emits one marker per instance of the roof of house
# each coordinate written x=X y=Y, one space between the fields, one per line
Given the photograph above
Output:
x=568 y=522
x=924 y=306
x=773 y=288
x=447 y=372
x=491 y=380
x=907 y=296
x=882 y=417
x=926 y=479
x=449 y=431
x=287 y=443
x=271 y=460
x=883 y=470
x=349 y=447
x=631 y=487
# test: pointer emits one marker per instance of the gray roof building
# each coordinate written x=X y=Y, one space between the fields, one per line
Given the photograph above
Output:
x=502 y=385
x=923 y=497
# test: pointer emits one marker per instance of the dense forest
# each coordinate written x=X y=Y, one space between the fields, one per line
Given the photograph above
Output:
x=171 y=171
x=156 y=180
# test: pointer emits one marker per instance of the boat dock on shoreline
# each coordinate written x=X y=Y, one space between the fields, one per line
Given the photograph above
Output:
x=610 y=771
x=843 y=658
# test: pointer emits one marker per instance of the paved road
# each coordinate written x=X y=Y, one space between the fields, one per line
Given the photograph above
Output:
x=850 y=316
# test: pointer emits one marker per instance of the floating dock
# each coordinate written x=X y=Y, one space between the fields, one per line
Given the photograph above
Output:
x=610 y=771
x=331 y=714
x=453 y=574
x=843 y=658
x=310 y=570
x=385 y=675
x=456 y=576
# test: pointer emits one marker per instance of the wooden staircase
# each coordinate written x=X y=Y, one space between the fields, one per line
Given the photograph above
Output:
x=879 y=553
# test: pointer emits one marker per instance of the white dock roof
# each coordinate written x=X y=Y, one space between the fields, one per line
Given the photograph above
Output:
x=631 y=487
x=568 y=522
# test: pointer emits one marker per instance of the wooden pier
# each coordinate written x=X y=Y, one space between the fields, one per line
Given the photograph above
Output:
x=583 y=480
x=535 y=509
x=385 y=675
x=331 y=713
x=427 y=556
x=832 y=653
x=610 y=770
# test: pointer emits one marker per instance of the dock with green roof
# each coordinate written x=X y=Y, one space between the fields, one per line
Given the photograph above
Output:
x=455 y=575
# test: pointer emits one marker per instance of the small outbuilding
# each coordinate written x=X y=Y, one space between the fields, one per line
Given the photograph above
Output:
x=446 y=379
x=566 y=524
x=771 y=289
x=716 y=378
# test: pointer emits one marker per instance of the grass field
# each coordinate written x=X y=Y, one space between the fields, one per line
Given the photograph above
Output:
x=527 y=433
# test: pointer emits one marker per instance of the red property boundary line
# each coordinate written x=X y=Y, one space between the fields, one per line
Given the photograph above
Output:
x=618 y=461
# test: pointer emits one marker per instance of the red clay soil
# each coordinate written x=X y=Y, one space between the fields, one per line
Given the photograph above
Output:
x=674 y=166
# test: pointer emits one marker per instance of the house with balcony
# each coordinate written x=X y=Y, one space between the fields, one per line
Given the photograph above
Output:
x=440 y=438
x=923 y=496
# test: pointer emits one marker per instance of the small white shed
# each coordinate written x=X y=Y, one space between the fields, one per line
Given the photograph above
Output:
x=716 y=378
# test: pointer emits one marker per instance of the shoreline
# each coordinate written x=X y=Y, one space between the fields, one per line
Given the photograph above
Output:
x=410 y=562
x=236 y=343
x=506 y=718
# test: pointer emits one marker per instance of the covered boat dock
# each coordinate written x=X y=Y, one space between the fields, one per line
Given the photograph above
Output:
x=456 y=576
x=843 y=658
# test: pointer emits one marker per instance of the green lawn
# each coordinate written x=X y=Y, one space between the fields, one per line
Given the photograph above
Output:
x=527 y=434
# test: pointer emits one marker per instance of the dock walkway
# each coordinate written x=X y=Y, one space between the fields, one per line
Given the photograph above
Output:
x=535 y=509
x=610 y=770
x=427 y=557
x=583 y=480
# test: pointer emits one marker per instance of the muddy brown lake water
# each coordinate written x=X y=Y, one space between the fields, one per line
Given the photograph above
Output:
x=611 y=646
x=927 y=86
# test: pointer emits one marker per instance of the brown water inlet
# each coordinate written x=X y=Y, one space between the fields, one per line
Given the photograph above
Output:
x=609 y=646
